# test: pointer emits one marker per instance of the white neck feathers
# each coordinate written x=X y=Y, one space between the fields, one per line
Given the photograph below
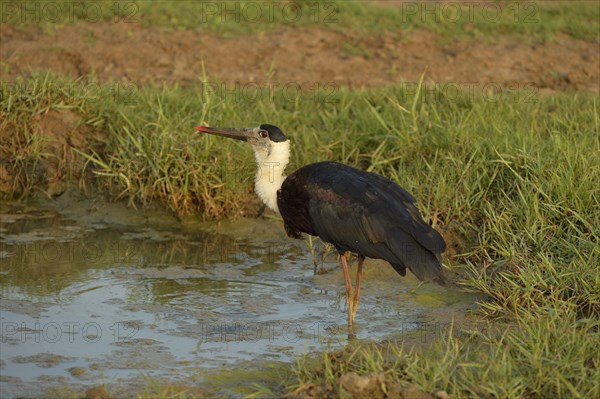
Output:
x=269 y=177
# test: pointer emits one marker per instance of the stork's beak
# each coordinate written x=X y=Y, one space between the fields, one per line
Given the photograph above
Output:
x=233 y=133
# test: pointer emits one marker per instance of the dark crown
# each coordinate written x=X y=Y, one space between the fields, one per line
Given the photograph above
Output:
x=275 y=134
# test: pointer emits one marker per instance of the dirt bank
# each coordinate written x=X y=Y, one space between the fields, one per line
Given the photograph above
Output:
x=305 y=56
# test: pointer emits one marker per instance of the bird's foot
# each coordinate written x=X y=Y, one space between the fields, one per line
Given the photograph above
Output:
x=352 y=309
x=352 y=299
x=352 y=306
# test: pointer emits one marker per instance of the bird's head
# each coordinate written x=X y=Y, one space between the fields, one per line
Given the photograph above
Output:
x=265 y=139
x=272 y=153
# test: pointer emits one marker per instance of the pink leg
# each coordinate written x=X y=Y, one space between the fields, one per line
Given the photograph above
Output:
x=346 y=276
x=349 y=297
x=356 y=299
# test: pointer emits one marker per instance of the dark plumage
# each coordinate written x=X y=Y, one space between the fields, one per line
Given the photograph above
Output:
x=361 y=212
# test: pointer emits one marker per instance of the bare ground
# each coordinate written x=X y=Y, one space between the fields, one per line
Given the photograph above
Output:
x=304 y=56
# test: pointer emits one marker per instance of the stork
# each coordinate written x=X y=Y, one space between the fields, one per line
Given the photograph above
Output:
x=354 y=210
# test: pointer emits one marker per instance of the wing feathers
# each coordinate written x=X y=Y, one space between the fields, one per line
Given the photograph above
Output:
x=364 y=213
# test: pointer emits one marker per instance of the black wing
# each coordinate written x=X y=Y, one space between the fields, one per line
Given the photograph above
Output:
x=364 y=213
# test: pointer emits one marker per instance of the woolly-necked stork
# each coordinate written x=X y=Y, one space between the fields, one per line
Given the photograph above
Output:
x=357 y=211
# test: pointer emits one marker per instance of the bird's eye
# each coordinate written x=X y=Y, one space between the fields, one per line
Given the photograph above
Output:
x=264 y=134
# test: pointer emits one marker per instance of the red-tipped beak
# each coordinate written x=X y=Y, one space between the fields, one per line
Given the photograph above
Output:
x=233 y=133
x=202 y=129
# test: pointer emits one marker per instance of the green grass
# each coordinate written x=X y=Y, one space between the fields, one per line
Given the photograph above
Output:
x=518 y=175
x=553 y=356
x=537 y=20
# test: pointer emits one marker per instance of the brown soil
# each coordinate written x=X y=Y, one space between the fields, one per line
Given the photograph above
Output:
x=60 y=132
x=303 y=56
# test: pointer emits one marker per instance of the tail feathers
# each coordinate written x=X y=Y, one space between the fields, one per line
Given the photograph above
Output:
x=424 y=264
x=399 y=268
x=441 y=280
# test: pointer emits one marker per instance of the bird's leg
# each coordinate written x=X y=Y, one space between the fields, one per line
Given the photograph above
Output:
x=349 y=298
x=356 y=299
x=346 y=276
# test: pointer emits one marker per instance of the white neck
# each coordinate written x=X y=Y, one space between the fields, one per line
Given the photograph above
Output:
x=269 y=177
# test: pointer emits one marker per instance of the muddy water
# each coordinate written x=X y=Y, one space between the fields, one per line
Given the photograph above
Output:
x=100 y=294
